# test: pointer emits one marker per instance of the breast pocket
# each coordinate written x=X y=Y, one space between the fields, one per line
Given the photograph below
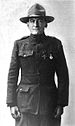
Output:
x=25 y=53
x=26 y=60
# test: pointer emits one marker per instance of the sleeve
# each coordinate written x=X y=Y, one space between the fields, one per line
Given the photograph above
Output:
x=13 y=77
x=63 y=77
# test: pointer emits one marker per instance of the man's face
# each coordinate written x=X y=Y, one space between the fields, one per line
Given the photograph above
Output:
x=36 y=25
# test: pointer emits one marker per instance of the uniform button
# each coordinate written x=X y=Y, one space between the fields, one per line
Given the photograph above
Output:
x=24 y=55
x=20 y=89
x=51 y=57
x=38 y=72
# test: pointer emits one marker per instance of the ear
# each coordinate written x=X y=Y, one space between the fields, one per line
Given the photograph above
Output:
x=28 y=24
x=45 y=24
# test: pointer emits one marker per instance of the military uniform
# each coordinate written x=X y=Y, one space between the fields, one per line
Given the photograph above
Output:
x=38 y=57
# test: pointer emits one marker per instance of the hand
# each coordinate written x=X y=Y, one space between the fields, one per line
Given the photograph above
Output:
x=58 y=112
x=15 y=112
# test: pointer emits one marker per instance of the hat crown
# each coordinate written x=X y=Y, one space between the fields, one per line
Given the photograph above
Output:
x=36 y=9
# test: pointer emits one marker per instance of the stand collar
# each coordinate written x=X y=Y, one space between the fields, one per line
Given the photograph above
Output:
x=36 y=39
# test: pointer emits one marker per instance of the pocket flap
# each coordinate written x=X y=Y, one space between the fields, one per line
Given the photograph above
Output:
x=23 y=88
x=26 y=53
x=27 y=88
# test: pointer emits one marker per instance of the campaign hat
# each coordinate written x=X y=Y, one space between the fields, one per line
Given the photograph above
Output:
x=35 y=11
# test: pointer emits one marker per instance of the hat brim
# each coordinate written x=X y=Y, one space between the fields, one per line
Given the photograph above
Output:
x=47 y=18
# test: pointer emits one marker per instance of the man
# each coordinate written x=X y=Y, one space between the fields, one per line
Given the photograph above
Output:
x=36 y=101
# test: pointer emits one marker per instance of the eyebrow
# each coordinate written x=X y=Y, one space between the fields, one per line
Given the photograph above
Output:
x=36 y=18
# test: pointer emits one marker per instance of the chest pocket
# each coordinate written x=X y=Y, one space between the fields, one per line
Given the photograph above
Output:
x=26 y=53
x=25 y=50
x=26 y=60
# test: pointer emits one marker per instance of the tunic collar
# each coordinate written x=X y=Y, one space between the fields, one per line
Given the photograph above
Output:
x=37 y=39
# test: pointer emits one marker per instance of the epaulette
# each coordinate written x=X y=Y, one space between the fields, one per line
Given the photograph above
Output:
x=54 y=42
x=24 y=37
x=54 y=39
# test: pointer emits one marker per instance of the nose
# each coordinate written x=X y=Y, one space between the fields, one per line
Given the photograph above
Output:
x=36 y=23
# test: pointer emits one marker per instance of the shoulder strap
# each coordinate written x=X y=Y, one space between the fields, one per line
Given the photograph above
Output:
x=24 y=37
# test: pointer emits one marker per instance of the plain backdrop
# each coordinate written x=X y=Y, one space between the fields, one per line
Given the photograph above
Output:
x=63 y=27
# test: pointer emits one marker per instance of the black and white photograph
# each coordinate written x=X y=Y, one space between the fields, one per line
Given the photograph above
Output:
x=37 y=62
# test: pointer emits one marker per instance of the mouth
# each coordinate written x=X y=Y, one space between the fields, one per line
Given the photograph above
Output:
x=36 y=28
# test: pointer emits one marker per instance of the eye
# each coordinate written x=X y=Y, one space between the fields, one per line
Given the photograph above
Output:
x=40 y=20
x=32 y=20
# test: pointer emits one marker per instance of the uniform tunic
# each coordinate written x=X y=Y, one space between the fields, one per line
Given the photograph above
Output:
x=39 y=58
